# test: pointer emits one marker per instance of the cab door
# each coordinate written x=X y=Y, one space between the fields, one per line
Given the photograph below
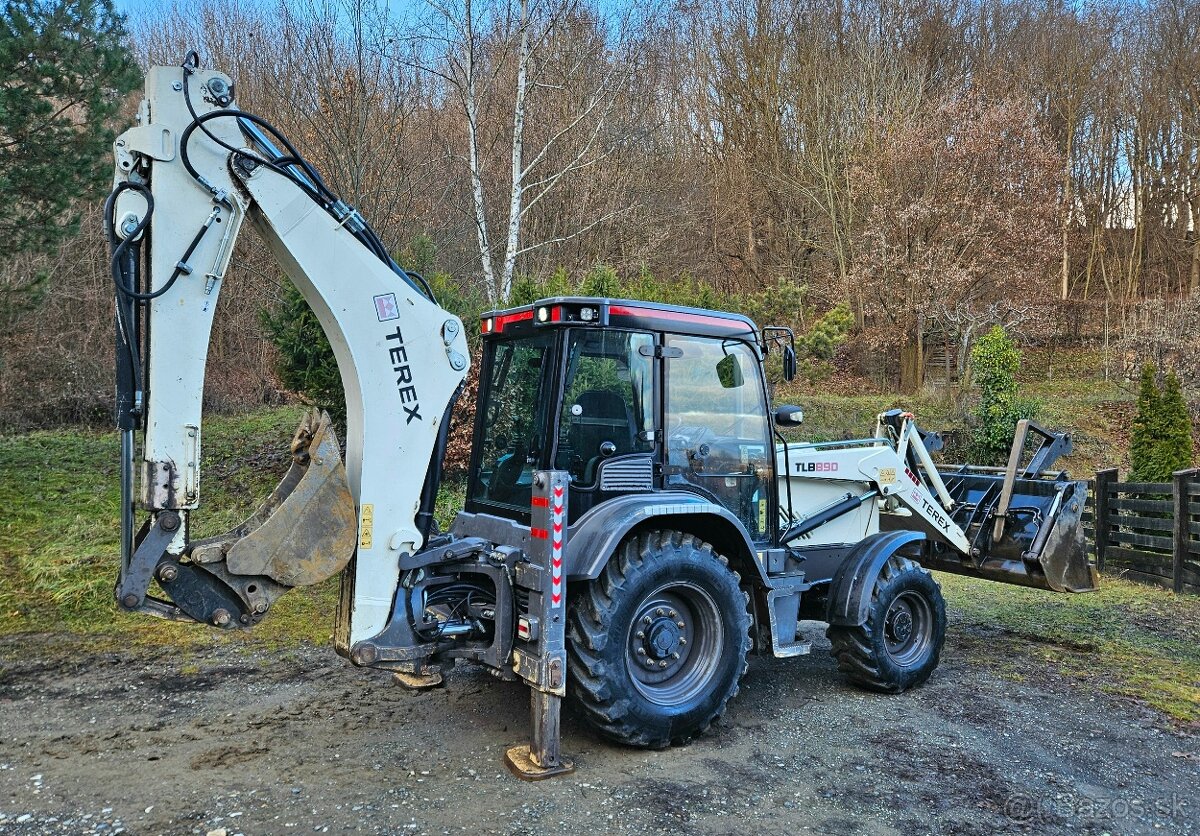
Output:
x=606 y=427
x=717 y=435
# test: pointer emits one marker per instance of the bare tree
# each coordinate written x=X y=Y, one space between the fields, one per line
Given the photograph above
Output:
x=962 y=227
x=500 y=56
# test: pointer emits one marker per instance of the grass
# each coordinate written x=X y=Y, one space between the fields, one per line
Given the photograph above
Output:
x=1096 y=413
x=1134 y=641
x=59 y=532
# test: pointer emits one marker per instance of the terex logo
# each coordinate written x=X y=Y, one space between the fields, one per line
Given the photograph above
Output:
x=398 y=354
x=816 y=467
x=932 y=511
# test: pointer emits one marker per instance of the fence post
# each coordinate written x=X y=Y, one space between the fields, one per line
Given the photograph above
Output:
x=1104 y=478
x=1179 y=548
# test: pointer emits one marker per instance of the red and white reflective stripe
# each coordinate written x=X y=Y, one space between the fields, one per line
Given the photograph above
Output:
x=556 y=541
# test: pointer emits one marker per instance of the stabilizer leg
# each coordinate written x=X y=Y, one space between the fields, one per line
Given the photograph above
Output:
x=542 y=757
x=540 y=656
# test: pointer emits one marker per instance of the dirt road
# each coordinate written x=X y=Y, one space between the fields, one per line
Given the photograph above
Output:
x=298 y=741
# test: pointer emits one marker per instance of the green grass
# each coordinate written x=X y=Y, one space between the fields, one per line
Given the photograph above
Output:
x=1096 y=413
x=60 y=532
x=1135 y=641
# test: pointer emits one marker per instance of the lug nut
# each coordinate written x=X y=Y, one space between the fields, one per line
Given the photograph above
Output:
x=675 y=655
x=680 y=624
x=682 y=642
x=641 y=651
x=663 y=663
x=649 y=663
x=672 y=613
x=641 y=634
x=647 y=620
x=660 y=612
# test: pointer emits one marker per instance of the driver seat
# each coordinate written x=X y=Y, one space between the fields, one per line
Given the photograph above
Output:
x=604 y=416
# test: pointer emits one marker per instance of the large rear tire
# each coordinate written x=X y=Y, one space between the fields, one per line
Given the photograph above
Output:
x=901 y=642
x=657 y=644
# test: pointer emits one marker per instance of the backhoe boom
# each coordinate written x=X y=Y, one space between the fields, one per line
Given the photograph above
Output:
x=187 y=177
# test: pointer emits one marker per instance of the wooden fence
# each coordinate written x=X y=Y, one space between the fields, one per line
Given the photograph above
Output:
x=1148 y=531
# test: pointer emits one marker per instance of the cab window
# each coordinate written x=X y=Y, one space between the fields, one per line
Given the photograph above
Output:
x=607 y=406
x=717 y=433
x=513 y=409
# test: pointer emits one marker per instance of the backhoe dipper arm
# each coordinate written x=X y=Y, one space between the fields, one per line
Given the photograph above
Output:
x=402 y=360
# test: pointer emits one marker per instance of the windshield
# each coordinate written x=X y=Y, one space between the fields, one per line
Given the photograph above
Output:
x=513 y=405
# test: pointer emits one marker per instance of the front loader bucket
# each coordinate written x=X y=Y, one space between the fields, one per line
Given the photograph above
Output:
x=1024 y=525
x=1034 y=539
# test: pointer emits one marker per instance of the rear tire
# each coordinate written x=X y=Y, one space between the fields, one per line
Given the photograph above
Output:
x=634 y=673
x=901 y=642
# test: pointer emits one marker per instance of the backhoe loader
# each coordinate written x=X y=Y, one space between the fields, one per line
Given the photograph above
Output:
x=635 y=521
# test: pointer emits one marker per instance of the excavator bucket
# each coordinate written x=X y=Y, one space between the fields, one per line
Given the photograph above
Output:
x=1024 y=524
x=307 y=528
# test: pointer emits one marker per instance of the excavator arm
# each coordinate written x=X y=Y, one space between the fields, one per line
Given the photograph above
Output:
x=193 y=170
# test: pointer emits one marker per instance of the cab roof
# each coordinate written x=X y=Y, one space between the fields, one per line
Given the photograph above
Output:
x=616 y=313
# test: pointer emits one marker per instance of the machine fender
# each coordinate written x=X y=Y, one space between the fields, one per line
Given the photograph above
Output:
x=850 y=589
x=595 y=537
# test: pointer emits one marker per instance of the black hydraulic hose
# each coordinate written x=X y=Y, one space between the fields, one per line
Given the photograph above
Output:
x=315 y=186
x=198 y=122
x=124 y=246
x=124 y=258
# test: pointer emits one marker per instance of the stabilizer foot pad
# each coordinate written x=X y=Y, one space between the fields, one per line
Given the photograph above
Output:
x=417 y=681
x=519 y=763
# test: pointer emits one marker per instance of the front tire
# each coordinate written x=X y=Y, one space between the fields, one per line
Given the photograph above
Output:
x=657 y=644
x=901 y=642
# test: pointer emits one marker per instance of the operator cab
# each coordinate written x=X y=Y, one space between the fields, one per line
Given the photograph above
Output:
x=627 y=397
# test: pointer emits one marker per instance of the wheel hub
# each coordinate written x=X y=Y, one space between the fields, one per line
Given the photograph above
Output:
x=908 y=628
x=662 y=639
x=900 y=625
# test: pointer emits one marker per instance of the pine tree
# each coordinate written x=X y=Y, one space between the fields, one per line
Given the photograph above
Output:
x=1175 y=439
x=1162 y=430
x=995 y=360
x=54 y=52
x=306 y=361
x=1144 y=437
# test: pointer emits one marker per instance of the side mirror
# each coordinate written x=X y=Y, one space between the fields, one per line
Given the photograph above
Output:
x=789 y=416
x=789 y=363
x=729 y=372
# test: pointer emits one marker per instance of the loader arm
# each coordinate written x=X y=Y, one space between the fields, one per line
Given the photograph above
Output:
x=187 y=177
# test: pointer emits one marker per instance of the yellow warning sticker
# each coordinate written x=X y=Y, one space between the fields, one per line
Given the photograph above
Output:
x=762 y=516
x=887 y=475
x=365 y=526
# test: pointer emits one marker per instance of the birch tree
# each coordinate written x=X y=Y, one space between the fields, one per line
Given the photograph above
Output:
x=505 y=57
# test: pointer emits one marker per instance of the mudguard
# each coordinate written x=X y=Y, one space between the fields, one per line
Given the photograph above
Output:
x=850 y=589
x=596 y=535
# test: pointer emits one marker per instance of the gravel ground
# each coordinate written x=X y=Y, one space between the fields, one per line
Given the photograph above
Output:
x=230 y=740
